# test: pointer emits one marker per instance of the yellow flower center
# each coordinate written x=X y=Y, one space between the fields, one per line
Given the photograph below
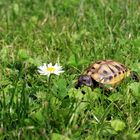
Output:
x=51 y=69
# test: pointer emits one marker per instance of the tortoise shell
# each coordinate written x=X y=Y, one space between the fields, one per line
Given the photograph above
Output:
x=106 y=72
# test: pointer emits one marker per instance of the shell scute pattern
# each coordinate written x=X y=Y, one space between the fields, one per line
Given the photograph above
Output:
x=107 y=72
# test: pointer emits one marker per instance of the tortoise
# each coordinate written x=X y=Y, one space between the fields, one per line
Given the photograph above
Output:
x=105 y=73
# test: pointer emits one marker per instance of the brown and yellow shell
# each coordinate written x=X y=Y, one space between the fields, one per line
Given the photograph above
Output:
x=108 y=72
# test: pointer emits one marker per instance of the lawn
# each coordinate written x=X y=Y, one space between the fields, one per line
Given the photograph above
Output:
x=73 y=33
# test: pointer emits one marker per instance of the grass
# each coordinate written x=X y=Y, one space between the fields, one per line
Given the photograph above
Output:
x=73 y=33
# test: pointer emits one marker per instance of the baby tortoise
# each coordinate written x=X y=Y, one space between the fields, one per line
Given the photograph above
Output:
x=105 y=72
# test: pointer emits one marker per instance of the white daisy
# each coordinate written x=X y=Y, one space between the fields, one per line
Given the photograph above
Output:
x=49 y=69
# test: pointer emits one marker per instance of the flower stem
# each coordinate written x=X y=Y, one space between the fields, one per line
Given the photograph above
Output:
x=49 y=82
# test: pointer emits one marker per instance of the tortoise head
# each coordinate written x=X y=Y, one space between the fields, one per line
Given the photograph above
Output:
x=85 y=80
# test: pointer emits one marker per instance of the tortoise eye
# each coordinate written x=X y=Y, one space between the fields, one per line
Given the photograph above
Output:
x=84 y=80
